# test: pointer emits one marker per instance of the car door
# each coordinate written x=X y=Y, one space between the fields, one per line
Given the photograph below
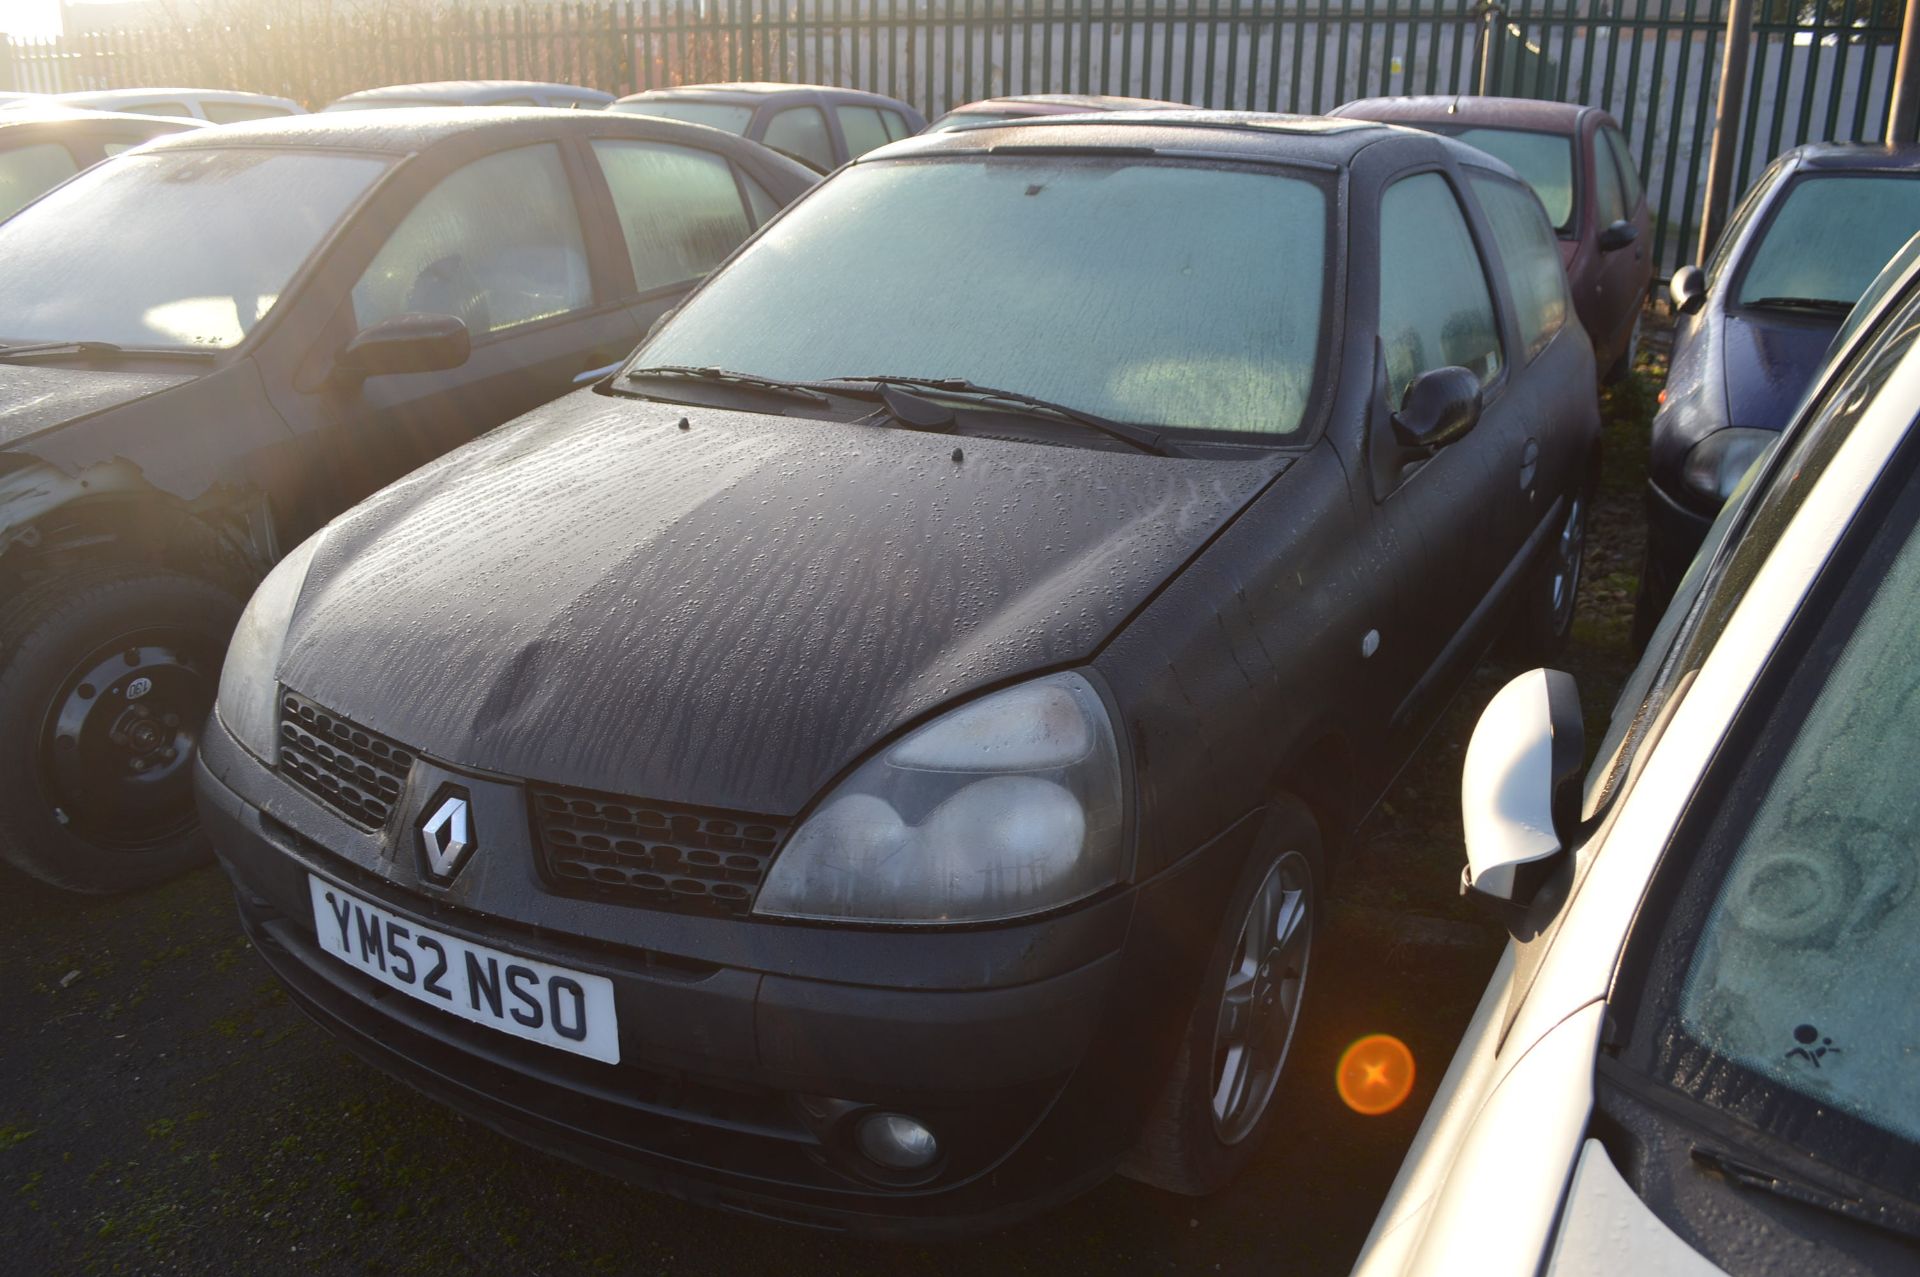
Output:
x=681 y=211
x=520 y=272
x=1622 y=272
x=1450 y=520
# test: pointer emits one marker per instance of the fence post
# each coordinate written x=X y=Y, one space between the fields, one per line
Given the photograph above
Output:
x=1726 y=123
x=1492 y=16
x=1906 y=79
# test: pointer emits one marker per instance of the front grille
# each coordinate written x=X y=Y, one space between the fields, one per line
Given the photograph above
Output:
x=651 y=854
x=356 y=772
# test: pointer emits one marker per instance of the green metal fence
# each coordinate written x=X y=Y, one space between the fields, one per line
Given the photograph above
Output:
x=1821 y=69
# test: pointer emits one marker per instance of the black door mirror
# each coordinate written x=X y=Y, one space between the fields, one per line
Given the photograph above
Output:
x=406 y=343
x=1688 y=290
x=1441 y=405
x=1617 y=236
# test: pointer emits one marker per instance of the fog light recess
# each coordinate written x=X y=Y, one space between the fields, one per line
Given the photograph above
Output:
x=896 y=1142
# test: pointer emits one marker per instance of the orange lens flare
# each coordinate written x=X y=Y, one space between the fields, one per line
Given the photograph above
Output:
x=1375 y=1075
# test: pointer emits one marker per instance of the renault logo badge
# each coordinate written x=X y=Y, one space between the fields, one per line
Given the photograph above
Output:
x=447 y=836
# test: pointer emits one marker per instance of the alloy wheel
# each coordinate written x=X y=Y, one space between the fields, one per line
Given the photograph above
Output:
x=1260 y=1005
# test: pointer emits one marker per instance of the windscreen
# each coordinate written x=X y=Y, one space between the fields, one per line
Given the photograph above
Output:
x=1071 y=279
x=221 y=234
x=1830 y=237
x=1544 y=161
x=719 y=115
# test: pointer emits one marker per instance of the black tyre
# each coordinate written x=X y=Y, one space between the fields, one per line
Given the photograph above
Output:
x=1624 y=363
x=106 y=680
x=1218 y=1099
x=1543 y=621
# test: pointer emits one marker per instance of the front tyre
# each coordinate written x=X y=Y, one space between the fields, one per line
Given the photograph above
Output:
x=1218 y=1099
x=106 y=680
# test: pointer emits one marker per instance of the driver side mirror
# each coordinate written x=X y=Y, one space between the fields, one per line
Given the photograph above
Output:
x=1617 y=236
x=1688 y=290
x=1515 y=796
x=406 y=343
x=1440 y=406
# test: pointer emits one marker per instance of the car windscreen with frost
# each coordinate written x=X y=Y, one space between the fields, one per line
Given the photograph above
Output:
x=223 y=233
x=27 y=172
x=1544 y=161
x=718 y=115
x=1805 y=969
x=1165 y=295
x=1830 y=237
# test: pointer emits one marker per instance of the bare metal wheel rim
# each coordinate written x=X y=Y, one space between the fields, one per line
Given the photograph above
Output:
x=1567 y=554
x=1260 y=1005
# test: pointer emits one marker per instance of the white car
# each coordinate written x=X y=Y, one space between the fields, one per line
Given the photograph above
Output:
x=1701 y=1052
x=216 y=106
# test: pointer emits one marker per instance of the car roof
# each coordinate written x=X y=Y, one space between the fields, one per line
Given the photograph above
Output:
x=45 y=113
x=1254 y=135
x=402 y=130
x=454 y=92
x=1854 y=156
x=169 y=93
x=1070 y=101
x=756 y=91
x=1450 y=108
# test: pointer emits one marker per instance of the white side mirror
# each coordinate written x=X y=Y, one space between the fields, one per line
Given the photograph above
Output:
x=1528 y=743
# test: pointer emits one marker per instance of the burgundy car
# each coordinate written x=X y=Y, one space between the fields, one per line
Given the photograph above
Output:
x=1022 y=106
x=1578 y=162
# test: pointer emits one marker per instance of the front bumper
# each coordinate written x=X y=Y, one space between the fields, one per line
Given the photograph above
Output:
x=1033 y=1051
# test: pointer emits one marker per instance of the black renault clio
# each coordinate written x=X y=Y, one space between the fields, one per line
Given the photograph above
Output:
x=876 y=760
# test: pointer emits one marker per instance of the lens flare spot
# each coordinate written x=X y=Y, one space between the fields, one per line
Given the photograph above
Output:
x=1375 y=1074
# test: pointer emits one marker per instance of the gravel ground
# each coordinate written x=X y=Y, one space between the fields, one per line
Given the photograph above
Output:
x=163 y=1109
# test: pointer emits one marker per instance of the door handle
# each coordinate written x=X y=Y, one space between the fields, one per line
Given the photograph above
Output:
x=1529 y=462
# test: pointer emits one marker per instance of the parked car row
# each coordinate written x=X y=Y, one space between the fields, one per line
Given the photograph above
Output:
x=856 y=761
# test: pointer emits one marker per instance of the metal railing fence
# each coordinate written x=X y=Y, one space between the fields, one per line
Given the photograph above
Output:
x=1820 y=69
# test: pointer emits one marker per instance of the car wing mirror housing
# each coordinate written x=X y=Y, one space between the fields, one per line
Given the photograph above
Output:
x=1688 y=290
x=406 y=343
x=1440 y=406
x=1517 y=792
x=1617 y=235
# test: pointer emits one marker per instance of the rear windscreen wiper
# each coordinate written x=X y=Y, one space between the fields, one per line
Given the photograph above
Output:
x=1139 y=436
x=1879 y=1210
x=727 y=377
x=35 y=349
x=1825 y=305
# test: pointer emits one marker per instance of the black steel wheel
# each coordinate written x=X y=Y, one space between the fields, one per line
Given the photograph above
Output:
x=106 y=681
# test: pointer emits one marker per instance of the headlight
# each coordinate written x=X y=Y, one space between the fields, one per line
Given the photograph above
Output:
x=1715 y=465
x=249 y=696
x=1007 y=806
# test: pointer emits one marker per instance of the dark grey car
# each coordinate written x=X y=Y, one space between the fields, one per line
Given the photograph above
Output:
x=821 y=126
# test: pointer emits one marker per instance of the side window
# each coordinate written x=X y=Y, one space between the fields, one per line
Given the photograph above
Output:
x=28 y=171
x=678 y=207
x=896 y=125
x=802 y=131
x=864 y=129
x=235 y=112
x=763 y=205
x=1623 y=156
x=516 y=102
x=1609 y=201
x=1531 y=255
x=496 y=244
x=1435 y=310
x=180 y=109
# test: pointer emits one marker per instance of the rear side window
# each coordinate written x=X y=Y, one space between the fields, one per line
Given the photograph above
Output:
x=27 y=171
x=1435 y=309
x=759 y=202
x=1609 y=196
x=180 y=109
x=801 y=131
x=679 y=209
x=864 y=129
x=896 y=125
x=235 y=112
x=1531 y=256
x=1623 y=156
x=493 y=263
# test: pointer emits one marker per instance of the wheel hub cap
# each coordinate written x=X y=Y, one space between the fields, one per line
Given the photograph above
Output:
x=1260 y=1003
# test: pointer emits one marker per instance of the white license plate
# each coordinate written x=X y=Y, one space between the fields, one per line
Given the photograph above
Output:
x=551 y=1005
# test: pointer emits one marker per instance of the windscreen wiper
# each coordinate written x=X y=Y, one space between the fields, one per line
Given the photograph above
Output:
x=1877 y=1209
x=1139 y=436
x=727 y=377
x=1825 y=305
x=35 y=349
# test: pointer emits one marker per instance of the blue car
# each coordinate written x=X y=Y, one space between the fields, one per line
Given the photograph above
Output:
x=1754 y=326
